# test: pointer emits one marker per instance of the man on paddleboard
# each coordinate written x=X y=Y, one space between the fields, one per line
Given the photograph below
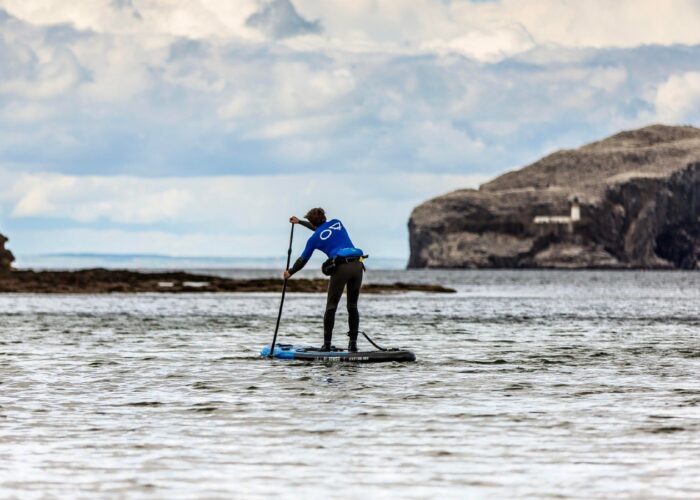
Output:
x=344 y=265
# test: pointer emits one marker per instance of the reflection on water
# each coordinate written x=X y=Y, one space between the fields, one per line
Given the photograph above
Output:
x=539 y=384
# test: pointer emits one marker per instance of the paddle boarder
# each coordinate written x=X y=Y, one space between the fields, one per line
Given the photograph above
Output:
x=344 y=266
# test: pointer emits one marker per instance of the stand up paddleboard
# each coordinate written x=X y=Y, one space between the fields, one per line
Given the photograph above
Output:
x=306 y=353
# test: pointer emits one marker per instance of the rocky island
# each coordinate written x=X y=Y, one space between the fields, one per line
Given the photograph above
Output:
x=626 y=202
x=6 y=257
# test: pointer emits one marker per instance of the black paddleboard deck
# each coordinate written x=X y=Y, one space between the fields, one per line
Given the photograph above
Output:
x=306 y=353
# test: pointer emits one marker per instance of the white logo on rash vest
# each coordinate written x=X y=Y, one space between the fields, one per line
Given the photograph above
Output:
x=326 y=233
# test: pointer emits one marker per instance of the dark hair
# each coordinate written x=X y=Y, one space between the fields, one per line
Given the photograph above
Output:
x=316 y=216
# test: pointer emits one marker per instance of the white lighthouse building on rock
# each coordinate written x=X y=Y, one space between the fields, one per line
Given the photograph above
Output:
x=574 y=216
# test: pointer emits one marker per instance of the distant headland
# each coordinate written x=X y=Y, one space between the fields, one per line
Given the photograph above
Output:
x=631 y=201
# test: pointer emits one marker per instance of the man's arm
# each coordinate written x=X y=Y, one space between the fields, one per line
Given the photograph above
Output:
x=295 y=220
x=298 y=266
x=307 y=224
x=305 y=256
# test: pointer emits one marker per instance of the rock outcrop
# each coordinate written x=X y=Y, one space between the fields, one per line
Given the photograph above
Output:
x=123 y=281
x=629 y=201
x=6 y=257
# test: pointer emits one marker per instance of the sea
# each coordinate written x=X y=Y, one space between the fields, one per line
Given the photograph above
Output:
x=527 y=384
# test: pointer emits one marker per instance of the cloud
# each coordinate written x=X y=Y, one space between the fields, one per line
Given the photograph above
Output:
x=368 y=25
x=122 y=4
x=148 y=19
x=252 y=209
x=488 y=46
x=132 y=104
x=127 y=5
x=600 y=23
x=87 y=199
x=279 y=19
x=33 y=68
x=678 y=98
x=443 y=144
x=374 y=26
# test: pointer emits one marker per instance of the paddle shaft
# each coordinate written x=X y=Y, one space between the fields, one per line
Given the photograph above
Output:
x=284 y=291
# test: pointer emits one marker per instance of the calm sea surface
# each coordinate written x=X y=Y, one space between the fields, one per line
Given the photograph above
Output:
x=527 y=384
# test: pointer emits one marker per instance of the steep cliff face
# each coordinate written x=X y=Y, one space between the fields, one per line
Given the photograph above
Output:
x=636 y=193
x=6 y=257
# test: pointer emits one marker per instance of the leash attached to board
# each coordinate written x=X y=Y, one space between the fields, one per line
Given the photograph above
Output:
x=284 y=291
x=375 y=344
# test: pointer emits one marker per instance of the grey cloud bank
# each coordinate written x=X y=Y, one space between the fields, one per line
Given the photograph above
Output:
x=104 y=104
x=279 y=19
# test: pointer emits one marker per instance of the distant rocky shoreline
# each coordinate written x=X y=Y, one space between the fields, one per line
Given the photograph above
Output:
x=631 y=201
x=98 y=281
x=124 y=281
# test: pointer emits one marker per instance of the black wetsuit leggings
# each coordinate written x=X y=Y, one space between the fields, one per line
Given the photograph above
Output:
x=350 y=274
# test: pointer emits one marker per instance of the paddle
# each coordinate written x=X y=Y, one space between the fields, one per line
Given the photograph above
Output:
x=284 y=290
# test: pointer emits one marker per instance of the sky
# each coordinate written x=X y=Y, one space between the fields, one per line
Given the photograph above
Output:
x=197 y=127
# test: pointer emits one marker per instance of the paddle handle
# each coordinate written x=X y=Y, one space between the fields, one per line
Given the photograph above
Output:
x=284 y=291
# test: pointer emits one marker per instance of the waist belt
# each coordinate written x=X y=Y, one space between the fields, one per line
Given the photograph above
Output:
x=330 y=265
x=345 y=260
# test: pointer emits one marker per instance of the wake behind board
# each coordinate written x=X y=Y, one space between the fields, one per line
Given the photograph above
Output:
x=306 y=353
